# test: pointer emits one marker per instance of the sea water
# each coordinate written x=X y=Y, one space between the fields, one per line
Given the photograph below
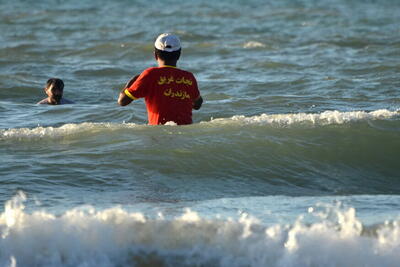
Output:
x=293 y=159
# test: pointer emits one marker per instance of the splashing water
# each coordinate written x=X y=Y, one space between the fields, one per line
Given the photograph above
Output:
x=114 y=237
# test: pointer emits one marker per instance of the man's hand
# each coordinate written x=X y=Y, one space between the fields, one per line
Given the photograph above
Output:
x=197 y=103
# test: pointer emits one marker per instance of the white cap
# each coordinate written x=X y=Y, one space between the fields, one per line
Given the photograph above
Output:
x=168 y=42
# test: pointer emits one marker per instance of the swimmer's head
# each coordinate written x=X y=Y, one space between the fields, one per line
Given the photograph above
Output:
x=54 y=89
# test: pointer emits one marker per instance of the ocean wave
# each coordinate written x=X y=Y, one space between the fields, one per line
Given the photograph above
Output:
x=115 y=237
x=324 y=118
x=64 y=130
x=274 y=120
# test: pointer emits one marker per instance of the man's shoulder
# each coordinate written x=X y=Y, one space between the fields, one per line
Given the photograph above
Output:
x=184 y=71
x=42 y=102
x=150 y=70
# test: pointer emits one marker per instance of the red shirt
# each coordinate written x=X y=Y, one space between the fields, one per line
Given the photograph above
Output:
x=169 y=93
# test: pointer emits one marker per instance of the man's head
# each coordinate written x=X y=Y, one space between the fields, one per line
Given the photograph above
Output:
x=54 y=89
x=167 y=47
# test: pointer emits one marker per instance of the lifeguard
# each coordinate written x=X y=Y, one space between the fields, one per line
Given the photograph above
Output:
x=170 y=93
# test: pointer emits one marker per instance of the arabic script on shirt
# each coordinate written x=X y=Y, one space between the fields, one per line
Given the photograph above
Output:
x=178 y=94
x=171 y=79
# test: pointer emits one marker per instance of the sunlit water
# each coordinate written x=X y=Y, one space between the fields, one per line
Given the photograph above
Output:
x=293 y=159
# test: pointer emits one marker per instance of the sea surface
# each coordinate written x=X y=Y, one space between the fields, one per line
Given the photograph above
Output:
x=293 y=160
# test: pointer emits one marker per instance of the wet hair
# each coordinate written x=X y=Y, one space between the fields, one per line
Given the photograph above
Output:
x=55 y=83
x=168 y=56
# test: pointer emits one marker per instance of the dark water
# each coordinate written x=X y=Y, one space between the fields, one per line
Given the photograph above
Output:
x=292 y=160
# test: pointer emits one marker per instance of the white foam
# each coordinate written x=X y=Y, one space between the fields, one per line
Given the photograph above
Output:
x=253 y=44
x=115 y=237
x=324 y=118
x=280 y=120
x=66 y=129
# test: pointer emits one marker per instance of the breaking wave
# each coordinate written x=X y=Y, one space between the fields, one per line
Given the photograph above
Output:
x=85 y=236
x=274 y=120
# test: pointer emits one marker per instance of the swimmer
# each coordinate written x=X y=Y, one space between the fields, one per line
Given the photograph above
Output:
x=54 y=90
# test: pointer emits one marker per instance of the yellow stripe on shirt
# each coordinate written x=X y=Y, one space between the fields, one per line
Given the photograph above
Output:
x=129 y=94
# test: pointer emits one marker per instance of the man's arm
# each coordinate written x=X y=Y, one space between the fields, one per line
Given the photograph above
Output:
x=123 y=98
x=197 y=103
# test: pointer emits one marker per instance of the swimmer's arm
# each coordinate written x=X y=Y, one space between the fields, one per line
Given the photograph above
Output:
x=197 y=103
x=125 y=98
